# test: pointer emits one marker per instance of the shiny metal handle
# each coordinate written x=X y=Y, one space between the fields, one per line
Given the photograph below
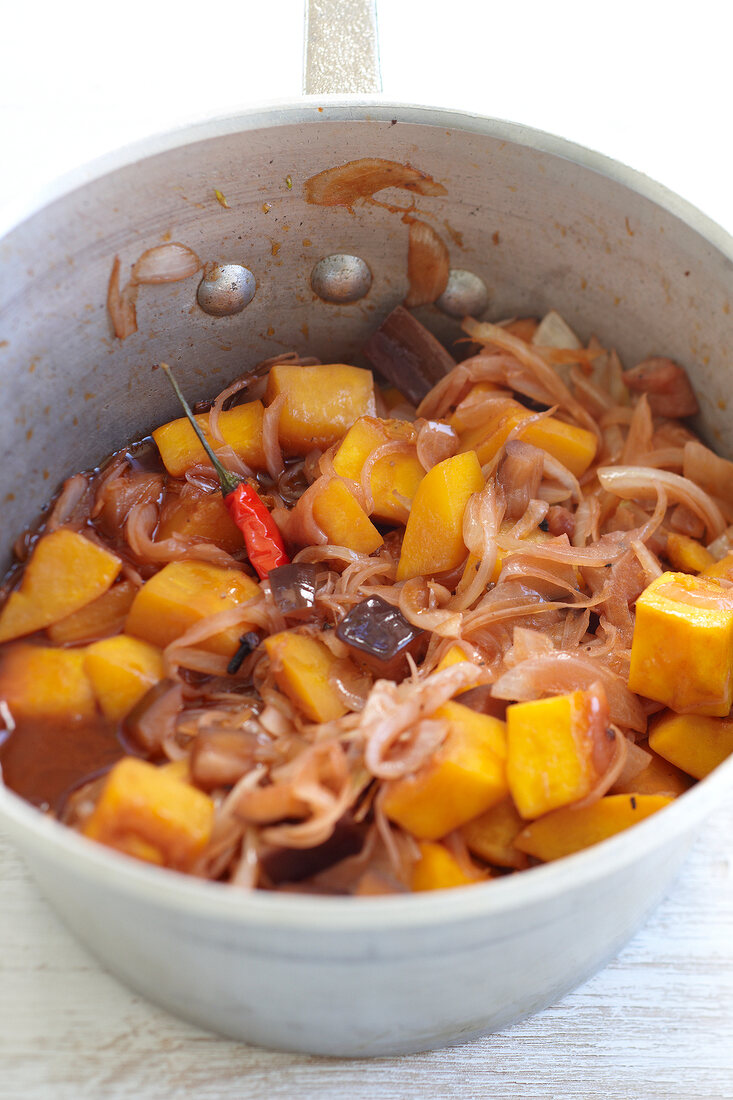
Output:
x=341 y=47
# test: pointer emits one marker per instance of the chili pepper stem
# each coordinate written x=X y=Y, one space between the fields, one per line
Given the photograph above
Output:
x=228 y=481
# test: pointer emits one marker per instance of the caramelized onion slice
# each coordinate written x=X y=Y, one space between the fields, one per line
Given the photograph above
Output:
x=153 y=718
x=360 y=179
x=642 y=483
x=166 y=263
x=555 y=673
x=666 y=385
x=428 y=264
x=121 y=304
x=708 y=470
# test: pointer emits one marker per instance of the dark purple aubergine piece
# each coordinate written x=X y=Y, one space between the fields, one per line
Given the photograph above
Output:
x=379 y=635
x=295 y=864
x=481 y=700
x=294 y=588
x=407 y=355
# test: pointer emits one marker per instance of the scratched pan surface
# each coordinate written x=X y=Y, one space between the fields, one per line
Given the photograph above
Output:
x=544 y=224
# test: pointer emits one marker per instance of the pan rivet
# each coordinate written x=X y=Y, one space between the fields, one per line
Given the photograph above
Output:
x=464 y=294
x=225 y=289
x=341 y=278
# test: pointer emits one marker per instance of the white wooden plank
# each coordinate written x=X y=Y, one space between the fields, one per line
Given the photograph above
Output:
x=657 y=1022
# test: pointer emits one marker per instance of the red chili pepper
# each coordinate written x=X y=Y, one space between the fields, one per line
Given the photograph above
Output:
x=261 y=534
x=262 y=537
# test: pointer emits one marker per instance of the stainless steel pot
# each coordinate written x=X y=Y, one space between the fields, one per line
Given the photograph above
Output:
x=544 y=224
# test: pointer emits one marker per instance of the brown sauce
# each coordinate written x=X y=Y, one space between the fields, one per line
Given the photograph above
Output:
x=44 y=759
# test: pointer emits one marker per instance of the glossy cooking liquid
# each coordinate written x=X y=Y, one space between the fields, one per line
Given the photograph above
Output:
x=45 y=759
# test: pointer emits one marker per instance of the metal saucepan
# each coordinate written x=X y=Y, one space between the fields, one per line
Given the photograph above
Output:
x=544 y=224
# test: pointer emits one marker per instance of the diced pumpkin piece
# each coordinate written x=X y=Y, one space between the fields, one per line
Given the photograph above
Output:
x=693 y=742
x=453 y=656
x=720 y=570
x=523 y=327
x=573 y=446
x=122 y=670
x=302 y=667
x=464 y=415
x=339 y=514
x=551 y=744
x=43 y=682
x=65 y=572
x=658 y=777
x=437 y=869
x=322 y=402
x=177 y=769
x=183 y=593
x=566 y=831
x=241 y=428
x=392 y=397
x=687 y=555
x=104 y=616
x=394 y=479
x=476 y=437
x=464 y=778
x=682 y=650
x=201 y=517
x=433 y=539
x=151 y=815
x=491 y=835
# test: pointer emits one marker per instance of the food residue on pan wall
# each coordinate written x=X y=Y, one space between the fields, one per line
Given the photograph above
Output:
x=428 y=260
x=343 y=184
x=164 y=263
x=455 y=234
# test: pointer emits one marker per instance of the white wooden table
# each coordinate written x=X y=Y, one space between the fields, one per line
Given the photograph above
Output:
x=641 y=83
x=657 y=1024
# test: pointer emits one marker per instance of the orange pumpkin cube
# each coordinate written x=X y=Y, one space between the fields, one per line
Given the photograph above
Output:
x=491 y=836
x=122 y=670
x=42 y=682
x=183 y=593
x=437 y=869
x=550 y=752
x=433 y=539
x=302 y=667
x=339 y=514
x=241 y=428
x=104 y=616
x=152 y=815
x=693 y=742
x=394 y=479
x=566 y=831
x=200 y=516
x=682 y=650
x=464 y=777
x=321 y=403
x=65 y=572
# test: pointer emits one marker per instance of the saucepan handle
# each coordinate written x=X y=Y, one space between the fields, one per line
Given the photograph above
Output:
x=341 y=47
